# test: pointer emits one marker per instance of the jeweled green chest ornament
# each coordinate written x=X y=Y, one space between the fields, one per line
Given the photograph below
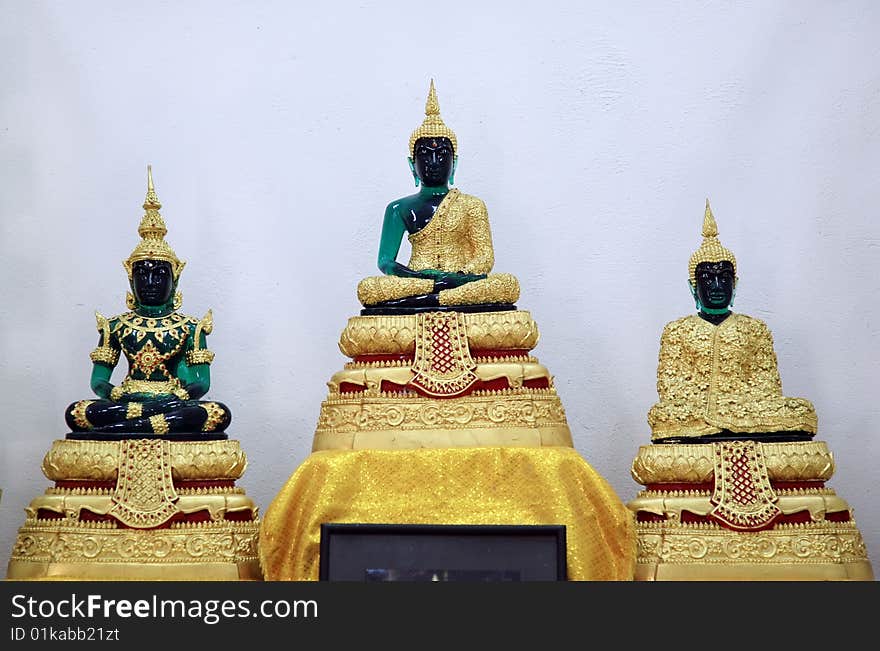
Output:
x=168 y=361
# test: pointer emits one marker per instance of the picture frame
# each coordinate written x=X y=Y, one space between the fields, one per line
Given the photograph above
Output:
x=365 y=552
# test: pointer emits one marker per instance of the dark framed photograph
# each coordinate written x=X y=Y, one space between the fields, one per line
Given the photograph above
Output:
x=416 y=552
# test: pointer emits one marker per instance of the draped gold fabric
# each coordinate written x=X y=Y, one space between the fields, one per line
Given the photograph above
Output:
x=480 y=485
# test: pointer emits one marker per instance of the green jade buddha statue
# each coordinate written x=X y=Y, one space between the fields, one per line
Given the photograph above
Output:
x=717 y=375
x=451 y=243
x=169 y=364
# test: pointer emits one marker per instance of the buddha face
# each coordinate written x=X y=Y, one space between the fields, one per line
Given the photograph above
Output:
x=715 y=284
x=152 y=282
x=433 y=160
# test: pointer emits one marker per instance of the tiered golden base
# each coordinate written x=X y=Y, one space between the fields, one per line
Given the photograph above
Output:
x=691 y=526
x=144 y=509
x=445 y=418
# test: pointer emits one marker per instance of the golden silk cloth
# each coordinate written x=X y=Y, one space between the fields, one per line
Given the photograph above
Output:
x=475 y=486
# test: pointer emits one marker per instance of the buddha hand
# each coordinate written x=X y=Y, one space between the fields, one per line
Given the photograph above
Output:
x=449 y=280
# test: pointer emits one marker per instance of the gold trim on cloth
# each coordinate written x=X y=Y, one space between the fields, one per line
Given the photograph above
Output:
x=396 y=334
x=694 y=463
x=514 y=417
x=443 y=366
x=826 y=551
x=52 y=550
x=489 y=485
x=145 y=495
x=70 y=459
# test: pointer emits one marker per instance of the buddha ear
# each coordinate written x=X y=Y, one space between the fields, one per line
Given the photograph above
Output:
x=733 y=293
x=412 y=168
x=452 y=173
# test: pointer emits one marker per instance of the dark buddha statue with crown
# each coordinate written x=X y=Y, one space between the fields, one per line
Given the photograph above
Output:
x=145 y=481
x=450 y=265
x=735 y=485
x=168 y=361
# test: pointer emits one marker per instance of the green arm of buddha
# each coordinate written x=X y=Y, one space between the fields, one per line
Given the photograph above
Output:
x=393 y=228
x=100 y=381
x=195 y=378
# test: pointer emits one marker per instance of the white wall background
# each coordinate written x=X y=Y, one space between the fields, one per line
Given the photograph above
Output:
x=594 y=131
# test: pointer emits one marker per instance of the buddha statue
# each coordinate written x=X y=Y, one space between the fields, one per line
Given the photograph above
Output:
x=717 y=377
x=451 y=259
x=734 y=485
x=168 y=362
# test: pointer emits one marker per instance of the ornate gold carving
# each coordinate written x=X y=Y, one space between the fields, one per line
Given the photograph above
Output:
x=152 y=231
x=203 y=356
x=129 y=386
x=821 y=550
x=443 y=365
x=370 y=375
x=395 y=335
x=710 y=250
x=497 y=288
x=159 y=424
x=524 y=417
x=145 y=495
x=134 y=410
x=215 y=416
x=70 y=459
x=79 y=414
x=716 y=377
x=193 y=552
x=694 y=463
x=743 y=497
x=199 y=355
x=432 y=126
x=104 y=353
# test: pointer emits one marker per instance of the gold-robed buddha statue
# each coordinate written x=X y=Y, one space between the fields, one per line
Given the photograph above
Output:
x=717 y=373
x=735 y=487
x=451 y=256
x=442 y=415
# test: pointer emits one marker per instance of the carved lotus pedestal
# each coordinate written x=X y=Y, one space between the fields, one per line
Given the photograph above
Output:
x=743 y=510
x=140 y=509
x=445 y=418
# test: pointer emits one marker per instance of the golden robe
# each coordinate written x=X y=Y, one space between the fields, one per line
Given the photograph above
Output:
x=457 y=239
x=712 y=378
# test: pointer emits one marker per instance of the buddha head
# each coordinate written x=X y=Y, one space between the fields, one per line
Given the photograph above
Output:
x=433 y=161
x=153 y=268
x=433 y=147
x=152 y=282
x=712 y=271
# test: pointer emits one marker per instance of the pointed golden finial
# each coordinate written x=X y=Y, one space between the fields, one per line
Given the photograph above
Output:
x=432 y=106
x=711 y=249
x=152 y=231
x=432 y=126
x=710 y=228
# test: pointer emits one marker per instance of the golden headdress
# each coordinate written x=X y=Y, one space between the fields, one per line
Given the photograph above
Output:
x=433 y=125
x=710 y=250
x=152 y=231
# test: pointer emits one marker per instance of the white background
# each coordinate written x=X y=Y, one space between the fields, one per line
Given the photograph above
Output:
x=594 y=131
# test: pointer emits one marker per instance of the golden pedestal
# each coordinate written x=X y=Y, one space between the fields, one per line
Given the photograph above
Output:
x=140 y=509
x=743 y=510
x=445 y=418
